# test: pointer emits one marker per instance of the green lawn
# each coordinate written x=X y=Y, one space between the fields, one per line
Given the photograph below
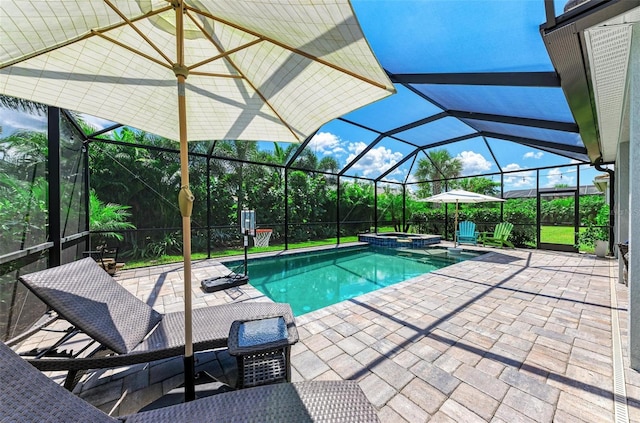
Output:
x=557 y=235
x=131 y=264
x=548 y=234
x=562 y=235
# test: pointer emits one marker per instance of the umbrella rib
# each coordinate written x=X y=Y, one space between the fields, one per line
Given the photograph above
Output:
x=216 y=75
x=241 y=74
x=222 y=53
x=140 y=33
x=131 y=49
x=82 y=37
x=287 y=47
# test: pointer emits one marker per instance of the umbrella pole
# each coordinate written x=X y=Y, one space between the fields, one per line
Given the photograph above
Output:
x=455 y=227
x=185 y=200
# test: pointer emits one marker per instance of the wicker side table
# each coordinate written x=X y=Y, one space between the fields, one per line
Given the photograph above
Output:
x=262 y=350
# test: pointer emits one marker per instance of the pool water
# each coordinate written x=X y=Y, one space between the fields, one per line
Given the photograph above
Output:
x=310 y=281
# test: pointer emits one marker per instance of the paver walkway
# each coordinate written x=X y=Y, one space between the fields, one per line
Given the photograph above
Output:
x=513 y=336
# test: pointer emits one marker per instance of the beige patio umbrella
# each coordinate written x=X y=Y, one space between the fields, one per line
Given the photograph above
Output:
x=459 y=196
x=192 y=70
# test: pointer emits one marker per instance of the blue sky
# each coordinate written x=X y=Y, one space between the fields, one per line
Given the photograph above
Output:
x=474 y=155
x=344 y=142
x=442 y=36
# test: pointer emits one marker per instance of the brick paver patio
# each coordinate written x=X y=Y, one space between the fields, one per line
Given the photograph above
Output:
x=513 y=336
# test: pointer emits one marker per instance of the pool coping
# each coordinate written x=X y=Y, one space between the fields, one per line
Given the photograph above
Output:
x=271 y=254
x=399 y=239
x=282 y=253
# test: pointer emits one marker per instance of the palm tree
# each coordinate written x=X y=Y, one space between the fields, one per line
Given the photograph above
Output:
x=23 y=189
x=137 y=176
x=437 y=166
x=21 y=104
x=23 y=150
x=242 y=151
x=328 y=164
x=307 y=160
x=282 y=155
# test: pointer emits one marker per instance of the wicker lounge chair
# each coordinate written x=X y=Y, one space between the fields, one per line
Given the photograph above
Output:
x=128 y=330
x=26 y=395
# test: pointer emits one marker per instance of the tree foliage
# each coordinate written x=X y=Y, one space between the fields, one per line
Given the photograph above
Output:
x=108 y=217
x=479 y=184
x=437 y=166
x=135 y=179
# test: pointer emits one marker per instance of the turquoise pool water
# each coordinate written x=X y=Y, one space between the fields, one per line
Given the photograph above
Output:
x=310 y=281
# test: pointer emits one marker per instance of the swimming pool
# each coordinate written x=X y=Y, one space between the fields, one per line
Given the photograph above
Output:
x=310 y=281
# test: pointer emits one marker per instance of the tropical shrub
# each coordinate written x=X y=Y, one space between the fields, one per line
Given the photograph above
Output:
x=590 y=206
x=420 y=221
x=23 y=212
x=522 y=235
x=591 y=234
x=108 y=218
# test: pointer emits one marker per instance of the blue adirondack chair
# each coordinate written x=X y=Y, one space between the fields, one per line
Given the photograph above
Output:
x=467 y=233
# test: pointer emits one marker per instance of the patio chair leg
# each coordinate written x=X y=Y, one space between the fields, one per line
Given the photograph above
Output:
x=72 y=379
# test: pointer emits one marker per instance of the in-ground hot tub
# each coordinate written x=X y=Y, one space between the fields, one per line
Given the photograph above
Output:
x=399 y=239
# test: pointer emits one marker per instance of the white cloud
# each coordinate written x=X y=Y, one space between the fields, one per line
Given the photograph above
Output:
x=524 y=179
x=511 y=166
x=473 y=163
x=13 y=120
x=326 y=143
x=533 y=155
x=375 y=162
x=557 y=177
x=355 y=148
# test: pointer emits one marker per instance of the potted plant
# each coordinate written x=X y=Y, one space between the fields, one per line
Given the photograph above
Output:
x=596 y=237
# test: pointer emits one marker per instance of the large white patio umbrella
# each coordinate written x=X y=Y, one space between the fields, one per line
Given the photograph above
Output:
x=459 y=196
x=219 y=69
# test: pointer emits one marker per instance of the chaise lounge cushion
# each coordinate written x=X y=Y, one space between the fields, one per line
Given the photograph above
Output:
x=84 y=294
x=26 y=395
x=315 y=401
x=91 y=300
x=211 y=326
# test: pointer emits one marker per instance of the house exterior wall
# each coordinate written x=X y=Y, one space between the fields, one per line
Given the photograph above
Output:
x=622 y=199
x=634 y=200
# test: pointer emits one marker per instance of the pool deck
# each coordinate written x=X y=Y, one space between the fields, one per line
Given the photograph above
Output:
x=512 y=336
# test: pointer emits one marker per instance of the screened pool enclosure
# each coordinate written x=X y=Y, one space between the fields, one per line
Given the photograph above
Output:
x=473 y=109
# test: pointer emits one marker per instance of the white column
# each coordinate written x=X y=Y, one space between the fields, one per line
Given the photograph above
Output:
x=622 y=208
x=634 y=200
